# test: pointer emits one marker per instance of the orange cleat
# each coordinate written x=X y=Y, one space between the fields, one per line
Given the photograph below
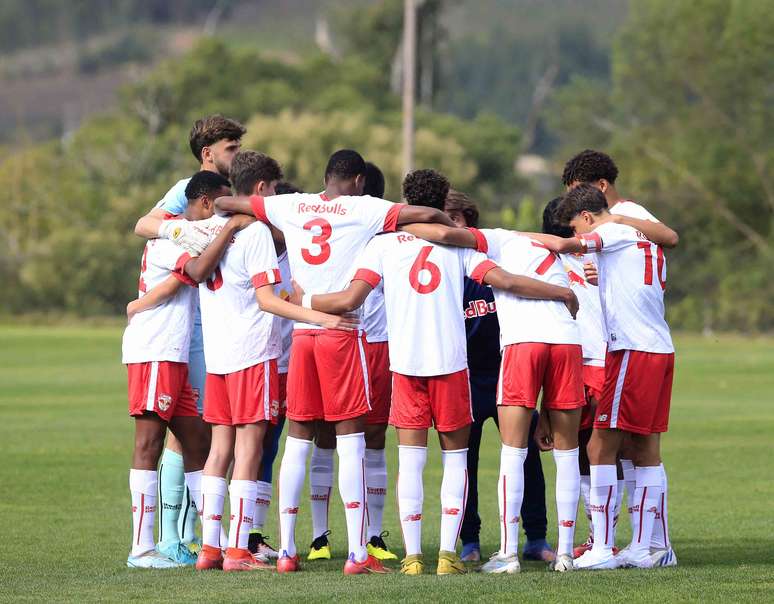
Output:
x=286 y=564
x=369 y=565
x=583 y=547
x=241 y=559
x=210 y=558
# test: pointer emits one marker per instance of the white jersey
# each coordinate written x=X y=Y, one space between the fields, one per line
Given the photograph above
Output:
x=325 y=236
x=423 y=287
x=590 y=320
x=632 y=210
x=632 y=279
x=282 y=325
x=375 y=316
x=521 y=319
x=237 y=333
x=162 y=333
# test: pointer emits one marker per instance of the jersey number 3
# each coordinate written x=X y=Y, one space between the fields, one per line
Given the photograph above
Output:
x=321 y=240
x=420 y=264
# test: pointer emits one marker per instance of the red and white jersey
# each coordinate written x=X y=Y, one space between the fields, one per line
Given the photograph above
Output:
x=632 y=280
x=162 y=333
x=632 y=210
x=521 y=319
x=282 y=325
x=237 y=333
x=590 y=320
x=423 y=287
x=375 y=316
x=325 y=236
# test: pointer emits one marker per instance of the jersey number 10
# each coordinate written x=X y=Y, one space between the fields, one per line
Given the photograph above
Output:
x=645 y=247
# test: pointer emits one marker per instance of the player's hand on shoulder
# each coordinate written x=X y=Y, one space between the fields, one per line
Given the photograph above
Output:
x=240 y=221
x=591 y=273
x=571 y=302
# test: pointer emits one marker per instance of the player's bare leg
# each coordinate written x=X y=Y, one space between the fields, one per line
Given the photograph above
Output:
x=376 y=490
x=320 y=488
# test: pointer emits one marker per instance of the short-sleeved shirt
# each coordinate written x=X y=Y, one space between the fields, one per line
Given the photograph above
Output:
x=632 y=210
x=325 y=236
x=162 y=333
x=590 y=320
x=632 y=280
x=423 y=285
x=284 y=326
x=237 y=333
x=375 y=316
x=522 y=319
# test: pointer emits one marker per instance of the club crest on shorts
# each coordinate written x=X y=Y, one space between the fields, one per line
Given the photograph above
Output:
x=274 y=408
x=164 y=401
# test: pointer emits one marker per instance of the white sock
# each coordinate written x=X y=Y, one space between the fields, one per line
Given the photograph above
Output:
x=243 y=495
x=631 y=484
x=291 y=481
x=376 y=489
x=193 y=480
x=262 y=503
x=618 y=504
x=351 y=448
x=320 y=486
x=454 y=495
x=660 y=538
x=143 y=485
x=646 y=501
x=214 y=491
x=510 y=493
x=567 y=493
x=585 y=489
x=411 y=465
x=193 y=483
x=604 y=487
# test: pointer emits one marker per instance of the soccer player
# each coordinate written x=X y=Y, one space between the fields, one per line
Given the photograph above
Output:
x=638 y=375
x=328 y=374
x=213 y=141
x=598 y=169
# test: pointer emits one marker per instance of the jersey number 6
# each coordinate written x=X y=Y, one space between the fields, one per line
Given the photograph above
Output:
x=422 y=263
x=321 y=240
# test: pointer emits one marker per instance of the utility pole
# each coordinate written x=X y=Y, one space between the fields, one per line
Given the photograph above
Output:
x=409 y=80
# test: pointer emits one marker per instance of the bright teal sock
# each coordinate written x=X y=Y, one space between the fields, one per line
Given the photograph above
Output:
x=186 y=523
x=171 y=491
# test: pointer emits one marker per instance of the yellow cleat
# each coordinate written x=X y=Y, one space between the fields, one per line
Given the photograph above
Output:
x=378 y=548
x=320 y=548
x=412 y=565
x=449 y=563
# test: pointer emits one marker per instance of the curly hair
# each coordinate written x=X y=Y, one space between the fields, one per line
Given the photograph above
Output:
x=457 y=201
x=552 y=221
x=211 y=129
x=582 y=198
x=589 y=166
x=250 y=167
x=426 y=188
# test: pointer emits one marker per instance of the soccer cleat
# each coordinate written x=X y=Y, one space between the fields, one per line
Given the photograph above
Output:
x=194 y=546
x=471 y=552
x=449 y=563
x=258 y=546
x=369 y=565
x=663 y=557
x=538 y=550
x=563 y=563
x=210 y=558
x=501 y=564
x=630 y=558
x=412 y=565
x=592 y=560
x=238 y=559
x=286 y=564
x=378 y=548
x=583 y=548
x=320 y=548
x=152 y=559
x=178 y=552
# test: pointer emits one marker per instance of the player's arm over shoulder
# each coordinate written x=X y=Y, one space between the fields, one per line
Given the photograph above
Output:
x=440 y=233
x=409 y=214
x=636 y=216
x=173 y=202
x=155 y=297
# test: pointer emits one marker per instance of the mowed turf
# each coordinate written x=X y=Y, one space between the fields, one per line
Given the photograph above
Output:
x=64 y=501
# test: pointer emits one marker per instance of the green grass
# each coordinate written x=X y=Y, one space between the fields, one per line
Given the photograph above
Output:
x=64 y=501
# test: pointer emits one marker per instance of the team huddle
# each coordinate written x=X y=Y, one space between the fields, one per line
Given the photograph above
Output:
x=340 y=313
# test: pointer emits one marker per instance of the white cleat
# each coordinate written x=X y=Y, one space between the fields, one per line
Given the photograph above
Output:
x=563 y=563
x=592 y=560
x=663 y=557
x=152 y=559
x=630 y=558
x=502 y=564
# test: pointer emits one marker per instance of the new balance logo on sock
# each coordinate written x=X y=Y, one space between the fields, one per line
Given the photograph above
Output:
x=376 y=491
x=290 y=511
x=450 y=511
x=652 y=510
x=352 y=505
x=217 y=517
x=567 y=523
x=413 y=518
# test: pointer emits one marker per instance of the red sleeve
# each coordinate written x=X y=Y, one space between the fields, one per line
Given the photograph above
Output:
x=482 y=245
x=180 y=273
x=370 y=277
x=481 y=270
x=266 y=278
x=391 y=220
x=259 y=208
x=170 y=216
x=592 y=241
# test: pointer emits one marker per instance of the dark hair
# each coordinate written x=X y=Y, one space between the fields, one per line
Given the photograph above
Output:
x=211 y=129
x=552 y=222
x=345 y=164
x=205 y=183
x=425 y=188
x=374 y=181
x=582 y=198
x=284 y=187
x=456 y=201
x=250 y=167
x=589 y=166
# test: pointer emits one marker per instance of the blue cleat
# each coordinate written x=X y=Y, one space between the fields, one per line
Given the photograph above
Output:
x=178 y=552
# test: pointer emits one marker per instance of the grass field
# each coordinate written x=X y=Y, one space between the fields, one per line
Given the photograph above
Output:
x=64 y=502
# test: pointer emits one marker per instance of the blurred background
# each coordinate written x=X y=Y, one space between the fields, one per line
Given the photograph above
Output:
x=97 y=97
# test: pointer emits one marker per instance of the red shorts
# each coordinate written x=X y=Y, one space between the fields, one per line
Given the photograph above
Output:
x=247 y=396
x=327 y=377
x=528 y=367
x=380 y=377
x=161 y=387
x=637 y=392
x=420 y=402
x=283 y=394
x=593 y=382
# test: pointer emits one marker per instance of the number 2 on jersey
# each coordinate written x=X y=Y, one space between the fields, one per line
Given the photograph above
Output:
x=645 y=246
x=422 y=263
x=320 y=240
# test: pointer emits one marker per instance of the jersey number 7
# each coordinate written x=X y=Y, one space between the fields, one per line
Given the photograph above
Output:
x=420 y=264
